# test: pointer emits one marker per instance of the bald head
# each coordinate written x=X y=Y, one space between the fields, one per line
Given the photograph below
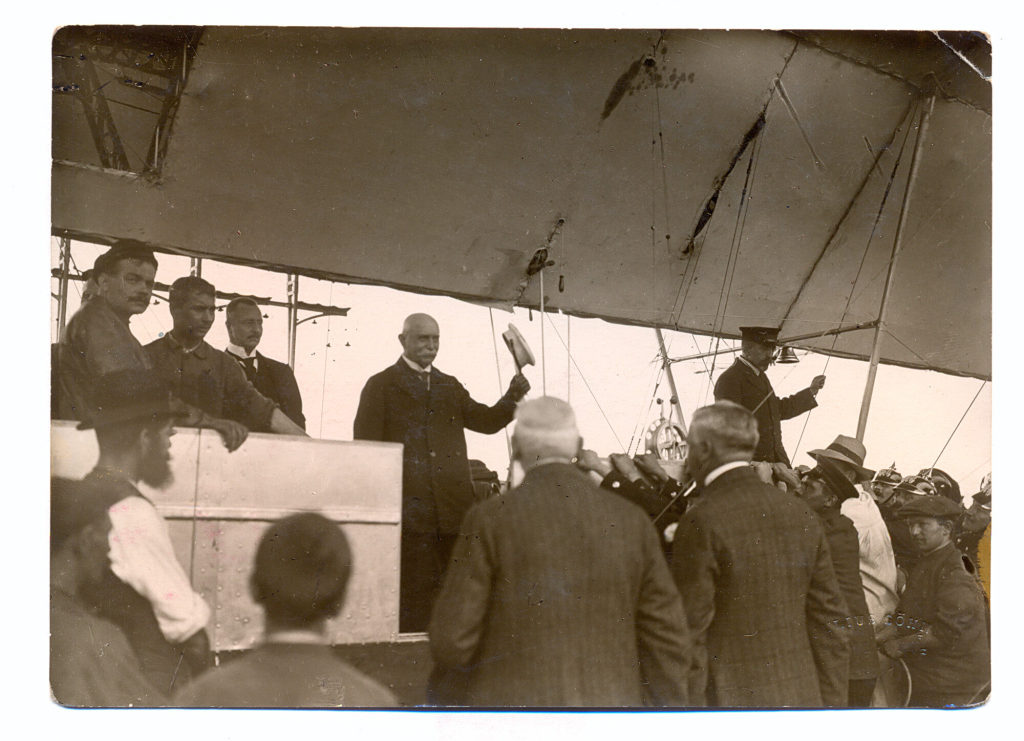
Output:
x=545 y=428
x=420 y=338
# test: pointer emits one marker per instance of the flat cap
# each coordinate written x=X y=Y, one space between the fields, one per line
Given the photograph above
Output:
x=930 y=506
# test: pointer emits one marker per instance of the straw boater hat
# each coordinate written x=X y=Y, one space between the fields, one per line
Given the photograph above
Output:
x=848 y=450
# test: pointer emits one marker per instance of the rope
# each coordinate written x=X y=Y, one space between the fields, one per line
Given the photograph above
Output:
x=501 y=385
x=659 y=371
x=733 y=259
x=587 y=384
x=860 y=268
x=958 y=423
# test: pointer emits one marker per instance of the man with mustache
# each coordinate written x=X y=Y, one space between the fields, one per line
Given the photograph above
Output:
x=98 y=341
x=145 y=592
x=273 y=379
x=207 y=378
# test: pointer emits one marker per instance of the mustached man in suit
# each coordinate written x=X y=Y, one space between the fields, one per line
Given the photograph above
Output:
x=558 y=594
x=428 y=411
x=755 y=573
x=746 y=384
x=273 y=379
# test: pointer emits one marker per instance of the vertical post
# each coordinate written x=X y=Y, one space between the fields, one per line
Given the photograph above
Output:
x=293 y=316
x=195 y=267
x=876 y=347
x=62 y=291
x=543 y=351
x=671 y=379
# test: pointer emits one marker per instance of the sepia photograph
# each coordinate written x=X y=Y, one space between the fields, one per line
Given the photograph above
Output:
x=423 y=368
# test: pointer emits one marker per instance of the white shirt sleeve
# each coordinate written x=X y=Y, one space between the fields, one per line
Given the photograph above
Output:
x=141 y=556
x=877 y=562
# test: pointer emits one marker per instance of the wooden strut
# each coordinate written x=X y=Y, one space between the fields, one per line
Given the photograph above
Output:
x=876 y=348
x=667 y=365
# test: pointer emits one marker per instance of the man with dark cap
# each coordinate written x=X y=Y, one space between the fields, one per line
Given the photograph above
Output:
x=975 y=537
x=273 y=379
x=825 y=489
x=753 y=567
x=414 y=403
x=145 y=592
x=207 y=378
x=91 y=661
x=939 y=628
x=745 y=383
x=98 y=341
x=302 y=568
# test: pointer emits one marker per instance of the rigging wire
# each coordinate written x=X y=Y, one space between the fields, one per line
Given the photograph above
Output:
x=983 y=383
x=501 y=385
x=733 y=259
x=860 y=268
x=587 y=384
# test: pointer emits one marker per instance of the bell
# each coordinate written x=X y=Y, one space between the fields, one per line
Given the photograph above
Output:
x=787 y=356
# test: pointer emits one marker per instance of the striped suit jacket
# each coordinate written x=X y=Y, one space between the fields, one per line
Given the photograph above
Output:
x=761 y=596
x=557 y=595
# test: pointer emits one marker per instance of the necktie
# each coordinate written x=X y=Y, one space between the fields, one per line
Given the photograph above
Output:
x=425 y=377
x=249 y=366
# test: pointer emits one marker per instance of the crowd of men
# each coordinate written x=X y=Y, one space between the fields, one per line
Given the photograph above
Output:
x=594 y=582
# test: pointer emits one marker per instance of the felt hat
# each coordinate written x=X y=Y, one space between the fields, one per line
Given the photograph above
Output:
x=848 y=450
x=516 y=344
x=933 y=506
x=123 y=249
x=126 y=395
x=837 y=482
x=763 y=335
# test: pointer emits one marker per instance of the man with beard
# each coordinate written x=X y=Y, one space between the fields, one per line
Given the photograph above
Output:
x=203 y=376
x=145 y=592
x=273 y=379
x=746 y=384
x=91 y=661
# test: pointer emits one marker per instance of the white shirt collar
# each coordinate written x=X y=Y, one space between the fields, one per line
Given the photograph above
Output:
x=416 y=366
x=310 y=637
x=240 y=351
x=757 y=371
x=716 y=472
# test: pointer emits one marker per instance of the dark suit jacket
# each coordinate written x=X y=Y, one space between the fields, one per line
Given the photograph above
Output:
x=276 y=381
x=844 y=546
x=397 y=407
x=740 y=384
x=557 y=595
x=764 y=607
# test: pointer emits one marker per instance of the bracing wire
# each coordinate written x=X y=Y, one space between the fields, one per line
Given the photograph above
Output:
x=497 y=367
x=860 y=268
x=976 y=395
x=587 y=384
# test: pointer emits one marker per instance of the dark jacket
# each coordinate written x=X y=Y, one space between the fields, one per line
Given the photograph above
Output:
x=276 y=381
x=396 y=406
x=844 y=546
x=945 y=600
x=740 y=384
x=557 y=595
x=761 y=596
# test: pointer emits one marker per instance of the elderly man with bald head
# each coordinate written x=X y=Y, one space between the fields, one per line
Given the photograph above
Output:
x=428 y=411
x=558 y=594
